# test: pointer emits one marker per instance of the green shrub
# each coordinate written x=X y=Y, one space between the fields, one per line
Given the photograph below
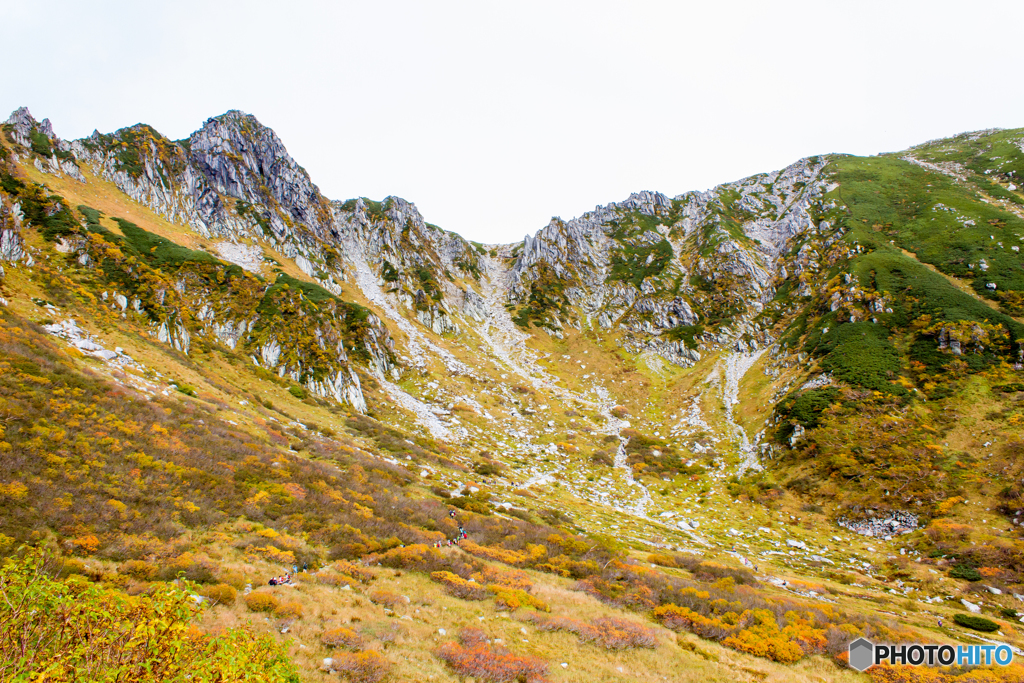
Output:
x=965 y=572
x=976 y=623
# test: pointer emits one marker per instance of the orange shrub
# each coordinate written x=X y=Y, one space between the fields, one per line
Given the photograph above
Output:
x=261 y=601
x=490 y=553
x=342 y=637
x=459 y=587
x=513 y=578
x=84 y=545
x=947 y=530
x=288 y=610
x=355 y=571
x=764 y=639
x=613 y=633
x=386 y=598
x=336 y=580
x=138 y=569
x=565 y=566
x=362 y=667
x=221 y=594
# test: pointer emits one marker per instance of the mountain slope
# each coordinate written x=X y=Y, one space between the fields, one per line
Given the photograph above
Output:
x=796 y=394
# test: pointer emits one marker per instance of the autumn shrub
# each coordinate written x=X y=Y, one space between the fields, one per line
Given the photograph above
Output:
x=291 y=609
x=71 y=630
x=220 y=594
x=473 y=656
x=611 y=633
x=261 y=601
x=459 y=587
x=361 y=574
x=389 y=599
x=614 y=633
x=336 y=580
x=514 y=598
x=362 y=667
x=233 y=578
x=498 y=554
x=511 y=578
x=341 y=636
x=139 y=570
x=189 y=566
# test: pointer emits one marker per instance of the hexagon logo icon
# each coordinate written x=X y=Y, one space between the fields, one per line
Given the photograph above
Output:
x=862 y=654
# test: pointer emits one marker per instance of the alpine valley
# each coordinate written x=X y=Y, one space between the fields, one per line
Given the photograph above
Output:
x=714 y=436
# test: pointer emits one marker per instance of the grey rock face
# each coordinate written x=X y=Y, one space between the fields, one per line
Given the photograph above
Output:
x=233 y=178
x=21 y=126
x=11 y=245
x=415 y=262
x=771 y=209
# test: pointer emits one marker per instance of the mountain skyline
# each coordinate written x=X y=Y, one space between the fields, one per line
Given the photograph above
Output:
x=495 y=119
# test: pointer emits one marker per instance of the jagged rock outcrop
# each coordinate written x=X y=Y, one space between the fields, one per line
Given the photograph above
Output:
x=232 y=178
x=37 y=139
x=427 y=270
x=11 y=245
x=650 y=263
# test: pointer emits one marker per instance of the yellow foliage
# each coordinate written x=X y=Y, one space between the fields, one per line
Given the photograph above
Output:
x=261 y=601
x=513 y=598
x=14 y=489
x=270 y=553
x=288 y=610
x=498 y=554
x=943 y=508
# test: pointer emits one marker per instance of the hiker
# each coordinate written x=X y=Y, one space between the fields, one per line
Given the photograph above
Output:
x=451 y=513
x=940 y=622
x=304 y=566
x=273 y=582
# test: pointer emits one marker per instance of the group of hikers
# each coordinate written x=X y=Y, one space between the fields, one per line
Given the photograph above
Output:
x=286 y=579
x=452 y=541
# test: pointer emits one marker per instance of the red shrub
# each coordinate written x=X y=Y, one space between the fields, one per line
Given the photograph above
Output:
x=491 y=663
x=611 y=633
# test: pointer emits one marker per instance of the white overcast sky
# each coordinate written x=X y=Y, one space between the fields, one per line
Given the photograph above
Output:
x=495 y=116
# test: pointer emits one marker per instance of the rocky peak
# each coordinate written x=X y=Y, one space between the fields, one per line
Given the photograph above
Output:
x=243 y=159
x=647 y=202
x=20 y=125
